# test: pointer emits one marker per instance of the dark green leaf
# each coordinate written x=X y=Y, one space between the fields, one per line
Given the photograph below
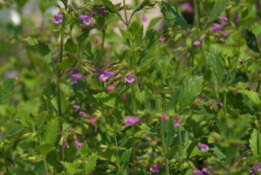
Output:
x=253 y=142
x=83 y=36
x=42 y=48
x=125 y=158
x=251 y=41
x=7 y=89
x=141 y=6
x=70 y=167
x=50 y=132
x=67 y=63
x=217 y=9
x=110 y=6
x=172 y=151
x=173 y=16
x=44 y=149
x=70 y=46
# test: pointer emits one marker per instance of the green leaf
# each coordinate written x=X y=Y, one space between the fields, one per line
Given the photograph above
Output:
x=44 y=149
x=52 y=158
x=251 y=40
x=70 y=46
x=67 y=63
x=31 y=41
x=217 y=9
x=252 y=95
x=43 y=48
x=50 y=132
x=219 y=153
x=24 y=116
x=149 y=130
x=84 y=150
x=109 y=99
x=172 y=151
x=141 y=6
x=189 y=91
x=110 y=6
x=7 y=89
x=91 y=164
x=125 y=158
x=83 y=36
x=71 y=168
x=173 y=101
x=15 y=130
x=173 y=16
x=18 y=171
x=253 y=142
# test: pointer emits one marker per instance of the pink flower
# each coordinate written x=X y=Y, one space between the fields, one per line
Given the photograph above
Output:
x=196 y=43
x=82 y=113
x=57 y=19
x=131 y=120
x=130 y=78
x=66 y=145
x=203 y=147
x=155 y=168
x=236 y=19
x=93 y=120
x=143 y=18
x=216 y=27
x=207 y=171
x=162 y=39
x=223 y=19
x=176 y=120
x=110 y=88
x=226 y=33
x=221 y=104
x=257 y=167
x=85 y=19
x=164 y=117
x=105 y=75
x=76 y=107
x=78 y=144
x=197 y=172
x=76 y=78
x=187 y=7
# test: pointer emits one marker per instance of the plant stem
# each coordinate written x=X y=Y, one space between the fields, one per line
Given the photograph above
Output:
x=164 y=148
x=126 y=18
x=133 y=151
x=45 y=166
x=6 y=164
x=225 y=104
x=258 y=86
x=180 y=143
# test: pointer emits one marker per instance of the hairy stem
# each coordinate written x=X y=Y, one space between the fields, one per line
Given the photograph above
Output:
x=180 y=143
x=45 y=166
x=5 y=160
x=164 y=148
x=133 y=151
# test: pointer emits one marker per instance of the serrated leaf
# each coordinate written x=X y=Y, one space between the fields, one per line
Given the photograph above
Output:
x=50 y=132
x=52 y=158
x=84 y=150
x=173 y=16
x=91 y=164
x=7 y=89
x=108 y=4
x=251 y=40
x=83 y=36
x=42 y=48
x=125 y=158
x=44 y=149
x=149 y=130
x=67 y=63
x=24 y=116
x=254 y=96
x=108 y=99
x=172 y=151
x=71 y=168
x=253 y=142
x=189 y=91
x=217 y=9
x=31 y=41
x=70 y=46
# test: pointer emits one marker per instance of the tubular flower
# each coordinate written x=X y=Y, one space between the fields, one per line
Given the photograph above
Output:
x=78 y=144
x=85 y=19
x=57 y=19
x=155 y=168
x=131 y=120
x=203 y=147
x=130 y=78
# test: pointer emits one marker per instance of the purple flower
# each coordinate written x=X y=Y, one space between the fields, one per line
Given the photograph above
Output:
x=130 y=78
x=187 y=7
x=155 y=168
x=203 y=147
x=72 y=71
x=66 y=145
x=223 y=19
x=207 y=171
x=196 y=43
x=78 y=144
x=98 y=72
x=164 y=117
x=81 y=113
x=76 y=107
x=143 y=18
x=131 y=120
x=162 y=39
x=202 y=98
x=216 y=27
x=85 y=19
x=93 y=14
x=225 y=33
x=176 y=120
x=110 y=88
x=102 y=11
x=236 y=18
x=57 y=19
x=252 y=172
x=53 y=55
x=257 y=167
x=96 y=130
x=105 y=75
x=221 y=104
x=76 y=78
x=197 y=172
x=93 y=120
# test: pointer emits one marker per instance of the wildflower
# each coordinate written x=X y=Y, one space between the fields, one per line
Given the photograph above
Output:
x=82 y=113
x=176 y=120
x=53 y=55
x=124 y=98
x=102 y=11
x=143 y=18
x=93 y=14
x=221 y=104
x=203 y=147
x=72 y=71
x=66 y=145
x=105 y=75
x=85 y=19
x=76 y=107
x=57 y=19
x=98 y=72
x=223 y=19
x=164 y=117
x=207 y=171
x=93 y=120
x=130 y=78
x=252 y=172
x=236 y=19
x=76 y=78
x=257 y=167
x=96 y=129
x=216 y=27
x=226 y=33
x=196 y=43
x=187 y=7
x=78 y=144
x=155 y=168
x=117 y=150
x=110 y=88
x=162 y=39
x=197 y=172
x=131 y=120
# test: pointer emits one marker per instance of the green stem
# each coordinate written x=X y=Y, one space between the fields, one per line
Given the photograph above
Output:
x=45 y=166
x=126 y=18
x=258 y=135
x=258 y=86
x=133 y=151
x=180 y=144
x=6 y=164
x=225 y=104
x=117 y=154
x=164 y=148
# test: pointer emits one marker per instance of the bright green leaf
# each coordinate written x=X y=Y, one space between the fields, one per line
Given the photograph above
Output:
x=50 y=132
x=70 y=46
x=7 y=89
x=67 y=63
x=217 y=9
x=91 y=164
x=253 y=142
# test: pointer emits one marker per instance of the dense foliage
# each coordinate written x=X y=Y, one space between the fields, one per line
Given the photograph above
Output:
x=90 y=89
